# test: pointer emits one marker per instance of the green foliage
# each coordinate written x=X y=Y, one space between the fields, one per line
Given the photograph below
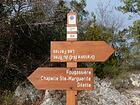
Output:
x=135 y=30
x=131 y=6
x=7 y=98
x=107 y=69
x=79 y=8
x=123 y=75
x=26 y=36
x=97 y=33
x=134 y=34
x=111 y=67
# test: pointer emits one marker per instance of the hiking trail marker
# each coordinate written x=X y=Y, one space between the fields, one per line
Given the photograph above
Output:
x=71 y=51
x=71 y=26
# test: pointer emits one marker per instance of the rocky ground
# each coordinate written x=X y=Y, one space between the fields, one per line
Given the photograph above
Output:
x=127 y=92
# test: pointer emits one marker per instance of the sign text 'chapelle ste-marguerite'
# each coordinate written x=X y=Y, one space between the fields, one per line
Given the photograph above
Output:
x=62 y=78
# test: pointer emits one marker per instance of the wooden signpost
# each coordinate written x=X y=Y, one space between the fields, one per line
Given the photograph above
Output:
x=71 y=95
x=71 y=51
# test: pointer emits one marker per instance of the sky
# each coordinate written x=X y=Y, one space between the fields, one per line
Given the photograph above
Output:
x=92 y=7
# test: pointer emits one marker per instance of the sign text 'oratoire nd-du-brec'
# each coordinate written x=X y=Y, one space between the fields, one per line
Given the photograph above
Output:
x=62 y=78
x=80 y=51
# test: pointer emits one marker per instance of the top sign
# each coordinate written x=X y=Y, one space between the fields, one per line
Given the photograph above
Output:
x=80 y=51
x=72 y=18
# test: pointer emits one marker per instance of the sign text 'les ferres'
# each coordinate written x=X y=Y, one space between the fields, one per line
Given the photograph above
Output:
x=80 y=51
x=62 y=78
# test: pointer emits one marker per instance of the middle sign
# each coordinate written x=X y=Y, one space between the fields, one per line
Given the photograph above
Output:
x=80 y=51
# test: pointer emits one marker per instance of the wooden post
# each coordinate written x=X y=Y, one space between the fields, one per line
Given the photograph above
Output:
x=71 y=96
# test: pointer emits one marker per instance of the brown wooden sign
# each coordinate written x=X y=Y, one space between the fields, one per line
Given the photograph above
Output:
x=62 y=78
x=80 y=51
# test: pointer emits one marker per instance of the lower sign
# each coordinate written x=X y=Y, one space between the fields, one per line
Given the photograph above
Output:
x=62 y=78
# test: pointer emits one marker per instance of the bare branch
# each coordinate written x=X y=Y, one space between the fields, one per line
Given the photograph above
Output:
x=106 y=16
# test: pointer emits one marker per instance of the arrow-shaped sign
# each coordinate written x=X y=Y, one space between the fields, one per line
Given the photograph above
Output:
x=80 y=51
x=62 y=78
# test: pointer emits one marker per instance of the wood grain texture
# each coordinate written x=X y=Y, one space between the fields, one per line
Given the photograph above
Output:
x=71 y=95
x=84 y=51
x=57 y=81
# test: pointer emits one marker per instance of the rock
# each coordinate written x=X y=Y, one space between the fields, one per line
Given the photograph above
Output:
x=54 y=98
x=26 y=94
x=135 y=101
x=103 y=94
x=135 y=80
x=133 y=96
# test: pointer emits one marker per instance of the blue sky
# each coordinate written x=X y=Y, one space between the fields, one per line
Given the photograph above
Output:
x=92 y=6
